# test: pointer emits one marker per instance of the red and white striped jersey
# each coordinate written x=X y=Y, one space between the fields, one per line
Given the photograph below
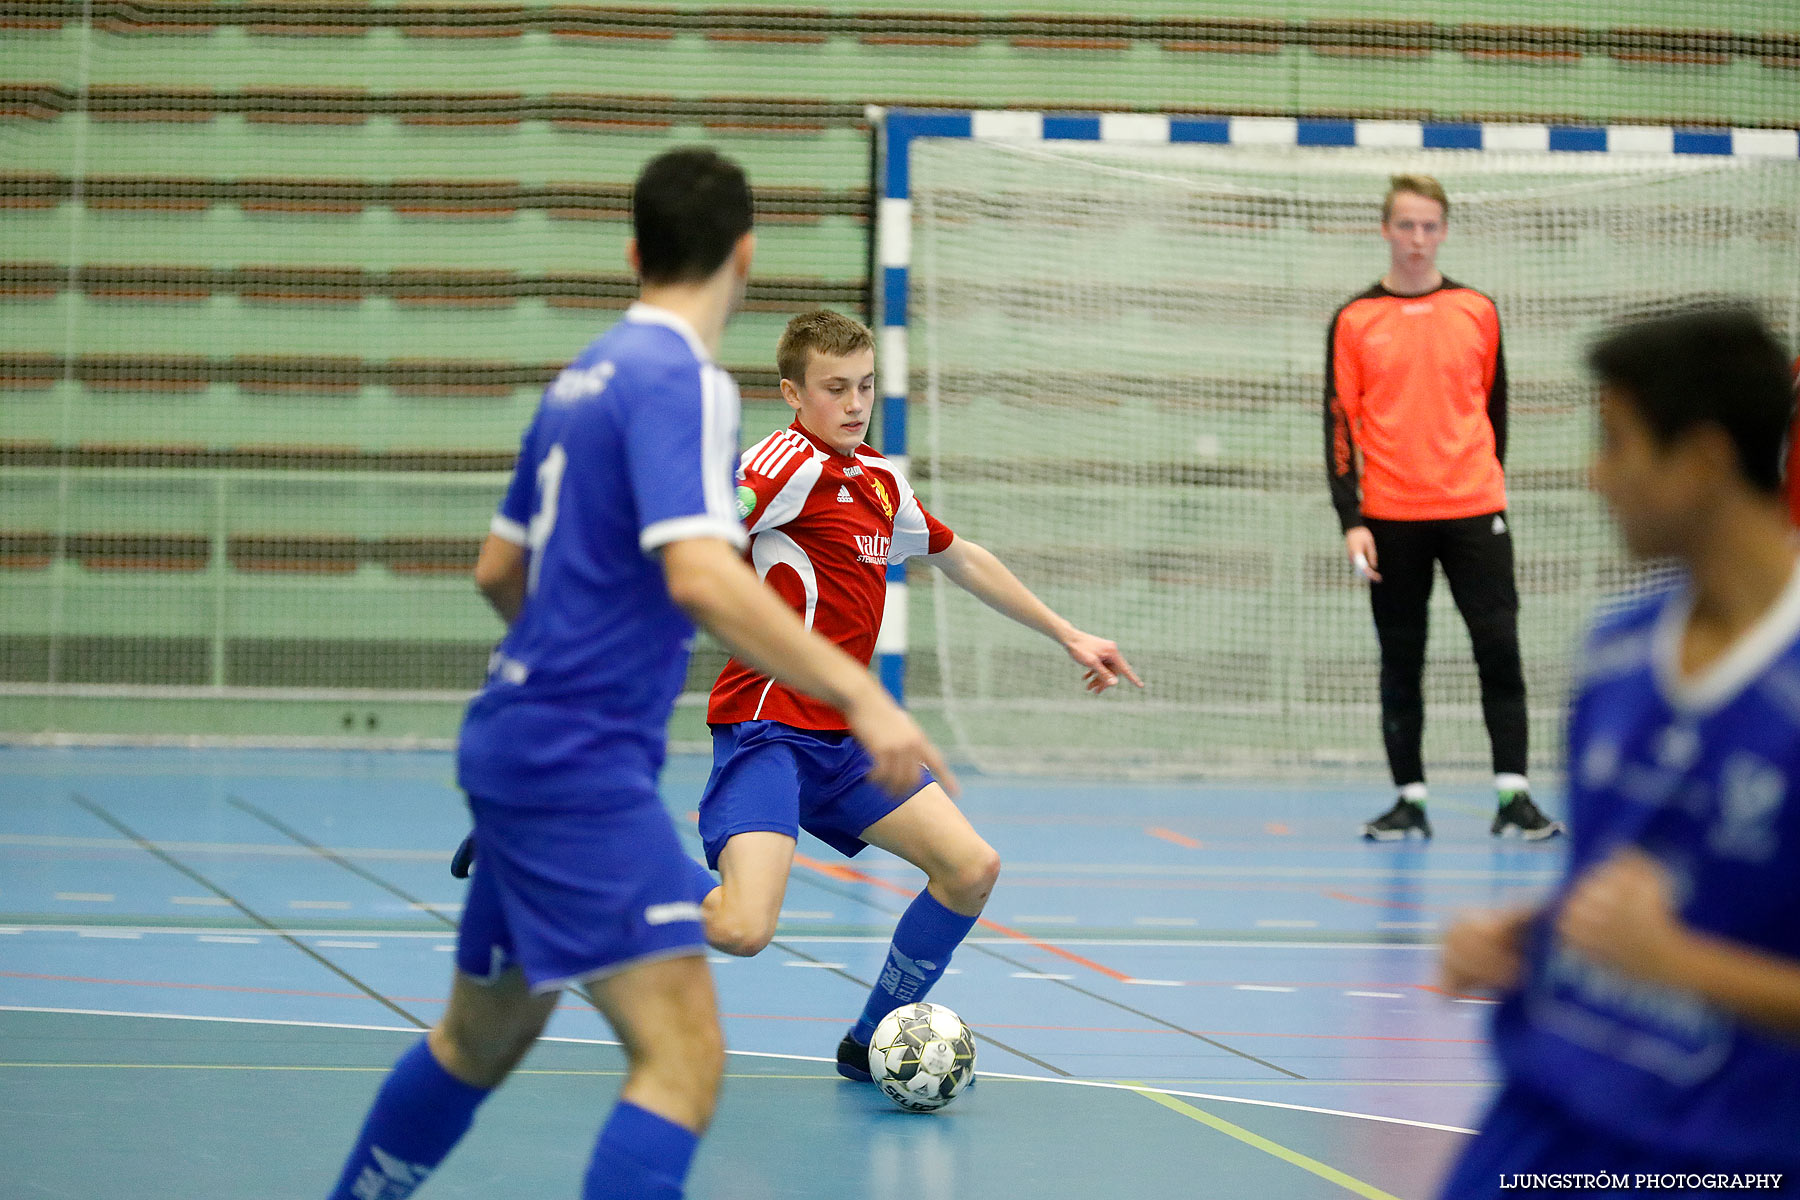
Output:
x=823 y=528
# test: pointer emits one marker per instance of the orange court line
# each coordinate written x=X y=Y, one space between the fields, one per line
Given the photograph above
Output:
x=1169 y=835
x=852 y=875
x=1378 y=902
x=1149 y=1031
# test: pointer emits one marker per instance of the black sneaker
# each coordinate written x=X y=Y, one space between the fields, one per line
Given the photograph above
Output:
x=464 y=859
x=1394 y=824
x=1518 y=812
x=853 y=1060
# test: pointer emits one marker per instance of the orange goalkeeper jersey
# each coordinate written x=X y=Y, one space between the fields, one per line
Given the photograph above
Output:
x=1415 y=406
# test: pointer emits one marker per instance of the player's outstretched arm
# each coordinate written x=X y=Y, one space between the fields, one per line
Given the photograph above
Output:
x=713 y=584
x=500 y=575
x=977 y=571
x=1622 y=913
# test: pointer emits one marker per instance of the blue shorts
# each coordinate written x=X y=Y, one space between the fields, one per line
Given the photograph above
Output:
x=772 y=777
x=572 y=892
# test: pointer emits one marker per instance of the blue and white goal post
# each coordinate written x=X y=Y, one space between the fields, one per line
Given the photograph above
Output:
x=913 y=179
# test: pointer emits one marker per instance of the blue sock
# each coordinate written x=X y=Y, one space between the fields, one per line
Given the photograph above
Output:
x=928 y=933
x=419 y=1114
x=640 y=1156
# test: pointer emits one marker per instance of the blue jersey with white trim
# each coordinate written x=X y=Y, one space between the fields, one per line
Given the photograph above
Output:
x=633 y=446
x=1701 y=773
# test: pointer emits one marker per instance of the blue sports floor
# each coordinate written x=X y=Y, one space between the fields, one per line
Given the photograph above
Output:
x=208 y=959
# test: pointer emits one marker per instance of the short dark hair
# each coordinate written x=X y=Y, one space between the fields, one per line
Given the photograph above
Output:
x=688 y=209
x=1714 y=365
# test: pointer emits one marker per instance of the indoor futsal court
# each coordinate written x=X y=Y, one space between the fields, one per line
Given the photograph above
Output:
x=1178 y=991
x=283 y=281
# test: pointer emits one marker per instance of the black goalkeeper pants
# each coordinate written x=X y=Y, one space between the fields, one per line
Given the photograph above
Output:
x=1477 y=556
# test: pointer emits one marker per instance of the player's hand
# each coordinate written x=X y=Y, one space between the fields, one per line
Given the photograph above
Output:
x=1359 y=548
x=1484 y=952
x=1100 y=660
x=1622 y=913
x=895 y=744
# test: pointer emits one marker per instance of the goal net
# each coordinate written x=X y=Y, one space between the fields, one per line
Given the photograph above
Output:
x=1117 y=357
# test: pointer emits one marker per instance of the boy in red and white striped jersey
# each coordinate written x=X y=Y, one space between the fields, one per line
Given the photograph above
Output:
x=826 y=515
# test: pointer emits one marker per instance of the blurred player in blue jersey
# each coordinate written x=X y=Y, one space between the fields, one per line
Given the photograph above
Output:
x=618 y=533
x=1651 y=1019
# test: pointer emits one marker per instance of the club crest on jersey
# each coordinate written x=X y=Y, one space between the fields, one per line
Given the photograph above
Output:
x=887 y=505
x=872 y=548
x=746 y=501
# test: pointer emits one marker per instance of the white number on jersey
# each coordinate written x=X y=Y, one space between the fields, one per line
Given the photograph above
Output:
x=549 y=487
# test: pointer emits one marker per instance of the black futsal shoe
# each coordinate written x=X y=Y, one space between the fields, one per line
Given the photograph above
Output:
x=1393 y=825
x=853 y=1060
x=463 y=861
x=1516 y=811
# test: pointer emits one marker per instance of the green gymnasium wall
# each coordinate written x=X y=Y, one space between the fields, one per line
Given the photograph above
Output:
x=280 y=283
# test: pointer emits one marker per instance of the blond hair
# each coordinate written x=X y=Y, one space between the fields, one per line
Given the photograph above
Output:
x=1417 y=185
x=824 y=331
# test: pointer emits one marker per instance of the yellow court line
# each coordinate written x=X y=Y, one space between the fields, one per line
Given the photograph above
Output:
x=1330 y=1174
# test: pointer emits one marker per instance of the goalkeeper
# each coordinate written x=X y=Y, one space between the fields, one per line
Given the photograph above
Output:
x=1415 y=435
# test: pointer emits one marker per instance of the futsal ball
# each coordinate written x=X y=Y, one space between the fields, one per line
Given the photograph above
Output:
x=922 y=1056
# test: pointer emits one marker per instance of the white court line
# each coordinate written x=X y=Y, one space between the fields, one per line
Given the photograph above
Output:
x=445 y=949
x=11 y=929
x=262 y=849
x=811 y=1058
x=229 y=939
x=815 y=966
x=1038 y=975
x=806 y=914
x=1259 y=987
x=1138 y=1087
x=126 y=935
x=1378 y=995
x=201 y=901
x=88 y=897
x=1471 y=1000
x=1171 y=922
x=1157 y=982
x=815 y=939
x=348 y=945
x=334 y=905
x=1280 y=924
x=1406 y=924
x=1479 y=875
